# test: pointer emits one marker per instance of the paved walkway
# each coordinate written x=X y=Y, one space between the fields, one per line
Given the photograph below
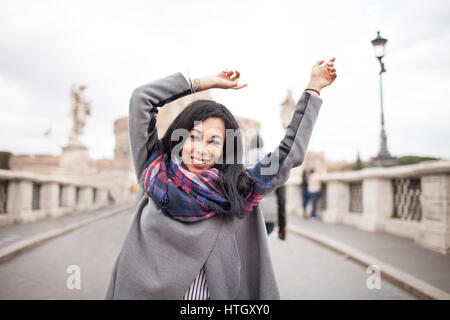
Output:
x=413 y=264
x=18 y=237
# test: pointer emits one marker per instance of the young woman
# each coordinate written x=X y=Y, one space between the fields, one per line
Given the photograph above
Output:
x=198 y=231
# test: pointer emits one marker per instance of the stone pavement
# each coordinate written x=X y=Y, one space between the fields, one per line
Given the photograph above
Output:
x=418 y=270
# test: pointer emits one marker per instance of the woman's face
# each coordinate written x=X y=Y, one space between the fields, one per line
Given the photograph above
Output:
x=204 y=146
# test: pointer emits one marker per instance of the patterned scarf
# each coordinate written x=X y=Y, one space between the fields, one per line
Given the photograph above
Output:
x=192 y=197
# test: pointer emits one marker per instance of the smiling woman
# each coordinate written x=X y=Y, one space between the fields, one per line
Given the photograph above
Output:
x=198 y=223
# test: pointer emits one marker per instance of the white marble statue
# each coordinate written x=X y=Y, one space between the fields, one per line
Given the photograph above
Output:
x=79 y=111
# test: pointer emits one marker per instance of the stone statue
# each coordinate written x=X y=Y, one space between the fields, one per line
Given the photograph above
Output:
x=287 y=109
x=79 y=111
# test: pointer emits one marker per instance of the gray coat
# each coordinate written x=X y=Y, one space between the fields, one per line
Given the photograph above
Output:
x=161 y=256
x=268 y=204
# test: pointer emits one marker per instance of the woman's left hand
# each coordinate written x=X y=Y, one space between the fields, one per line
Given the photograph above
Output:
x=322 y=75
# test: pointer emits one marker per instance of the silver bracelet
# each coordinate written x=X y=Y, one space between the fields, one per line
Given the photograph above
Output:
x=190 y=82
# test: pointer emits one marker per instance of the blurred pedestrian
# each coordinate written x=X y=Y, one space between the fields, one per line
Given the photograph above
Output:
x=314 y=191
x=281 y=201
x=304 y=186
x=110 y=197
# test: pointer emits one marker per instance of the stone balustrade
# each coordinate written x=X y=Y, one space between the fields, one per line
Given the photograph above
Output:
x=26 y=197
x=412 y=201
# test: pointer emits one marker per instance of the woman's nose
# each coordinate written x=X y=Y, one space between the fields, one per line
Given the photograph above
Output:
x=200 y=149
x=204 y=151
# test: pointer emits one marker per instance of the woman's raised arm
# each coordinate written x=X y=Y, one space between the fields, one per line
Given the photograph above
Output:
x=275 y=167
x=144 y=104
x=146 y=100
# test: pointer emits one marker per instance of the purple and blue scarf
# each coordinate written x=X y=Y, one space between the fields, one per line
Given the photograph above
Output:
x=192 y=197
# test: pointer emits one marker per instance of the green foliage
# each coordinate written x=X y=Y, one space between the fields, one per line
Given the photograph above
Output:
x=358 y=164
x=414 y=159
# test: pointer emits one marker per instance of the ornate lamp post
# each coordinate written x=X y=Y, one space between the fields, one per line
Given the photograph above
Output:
x=383 y=159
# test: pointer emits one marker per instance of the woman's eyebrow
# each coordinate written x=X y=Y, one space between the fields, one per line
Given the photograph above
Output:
x=213 y=135
x=216 y=135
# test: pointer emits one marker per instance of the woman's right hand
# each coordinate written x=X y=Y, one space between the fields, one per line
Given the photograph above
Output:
x=228 y=79
x=225 y=79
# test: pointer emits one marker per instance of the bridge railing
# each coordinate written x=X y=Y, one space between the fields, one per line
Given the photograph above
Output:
x=412 y=201
x=26 y=197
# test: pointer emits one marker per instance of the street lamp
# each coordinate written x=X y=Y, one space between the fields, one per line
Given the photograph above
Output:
x=384 y=158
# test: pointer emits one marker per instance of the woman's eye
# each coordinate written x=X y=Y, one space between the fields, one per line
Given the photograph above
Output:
x=214 y=142
x=193 y=137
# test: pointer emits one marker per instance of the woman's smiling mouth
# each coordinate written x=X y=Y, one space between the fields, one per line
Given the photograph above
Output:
x=198 y=161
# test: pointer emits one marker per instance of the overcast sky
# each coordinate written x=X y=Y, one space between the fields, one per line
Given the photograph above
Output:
x=115 y=46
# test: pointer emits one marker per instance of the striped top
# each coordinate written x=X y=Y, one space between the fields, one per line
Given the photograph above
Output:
x=199 y=288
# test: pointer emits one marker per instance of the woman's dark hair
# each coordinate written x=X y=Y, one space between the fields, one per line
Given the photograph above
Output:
x=235 y=183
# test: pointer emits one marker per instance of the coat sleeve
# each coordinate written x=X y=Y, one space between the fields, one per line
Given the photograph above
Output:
x=144 y=103
x=275 y=167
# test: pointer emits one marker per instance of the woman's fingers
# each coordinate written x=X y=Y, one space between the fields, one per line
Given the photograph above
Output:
x=240 y=86
x=230 y=79
x=232 y=75
x=331 y=62
x=227 y=72
x=235 y=76
x=330 y=65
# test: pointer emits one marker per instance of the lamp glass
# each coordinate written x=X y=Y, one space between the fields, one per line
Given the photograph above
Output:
x=379 y=50
x=378 y=45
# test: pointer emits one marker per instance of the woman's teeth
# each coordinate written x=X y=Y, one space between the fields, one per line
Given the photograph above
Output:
x=198 y=161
